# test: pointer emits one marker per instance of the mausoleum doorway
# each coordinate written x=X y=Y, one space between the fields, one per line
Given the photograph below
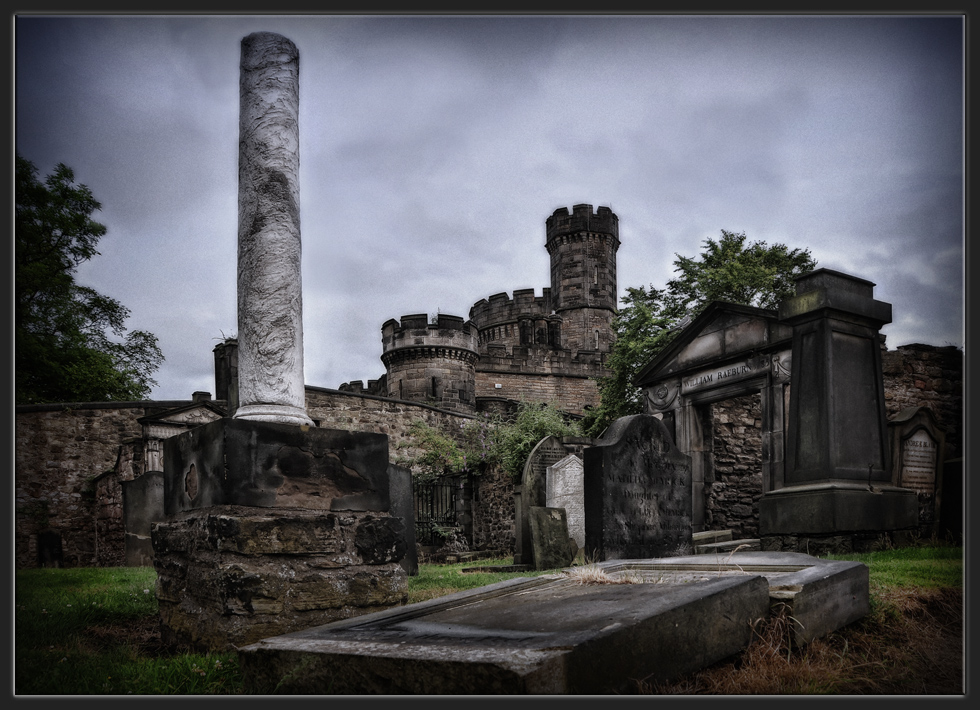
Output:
x=722 y=390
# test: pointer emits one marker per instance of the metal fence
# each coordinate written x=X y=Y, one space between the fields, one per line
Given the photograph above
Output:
x=435 y=509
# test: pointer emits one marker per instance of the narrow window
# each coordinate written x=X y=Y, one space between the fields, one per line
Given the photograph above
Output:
x=597 y=340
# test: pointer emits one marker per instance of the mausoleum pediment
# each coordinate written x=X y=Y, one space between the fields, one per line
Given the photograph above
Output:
x=723 y=331
x=162 y=425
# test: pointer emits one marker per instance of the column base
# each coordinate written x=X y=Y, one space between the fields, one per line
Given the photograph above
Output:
x=280 y=413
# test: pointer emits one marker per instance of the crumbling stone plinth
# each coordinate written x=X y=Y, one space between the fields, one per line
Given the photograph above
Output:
x=231 y=575
x=274 y=528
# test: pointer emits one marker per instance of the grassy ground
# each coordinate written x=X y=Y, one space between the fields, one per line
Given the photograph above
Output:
x=96 y=632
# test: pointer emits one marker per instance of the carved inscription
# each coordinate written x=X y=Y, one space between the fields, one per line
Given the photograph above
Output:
x=919 y=454
x=717 y=376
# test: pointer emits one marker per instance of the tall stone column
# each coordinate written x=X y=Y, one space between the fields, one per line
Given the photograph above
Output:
x=270 y=302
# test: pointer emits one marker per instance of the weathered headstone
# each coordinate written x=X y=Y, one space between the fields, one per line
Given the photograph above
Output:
x=637 y=493
x=142 y=505
x=549 y=538
x=566 y=489
x=917 y=455
x=533 y=492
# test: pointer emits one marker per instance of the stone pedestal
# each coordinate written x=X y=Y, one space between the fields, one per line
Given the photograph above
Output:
x=232 y=575
x=838 y=473
x=273 y=528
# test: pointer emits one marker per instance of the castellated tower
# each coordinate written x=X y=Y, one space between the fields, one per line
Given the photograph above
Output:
x=526 y=348
x=431 y=363
x=583 y=248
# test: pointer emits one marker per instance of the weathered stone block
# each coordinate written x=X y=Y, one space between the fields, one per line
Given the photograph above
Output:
x=272 y=465
x=549 y=538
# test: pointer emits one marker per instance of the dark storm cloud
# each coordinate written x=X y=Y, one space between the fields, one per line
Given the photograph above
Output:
x=433 y=149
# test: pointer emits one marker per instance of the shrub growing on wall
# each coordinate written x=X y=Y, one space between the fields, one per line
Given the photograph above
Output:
x=516 y=439
x=483 y=442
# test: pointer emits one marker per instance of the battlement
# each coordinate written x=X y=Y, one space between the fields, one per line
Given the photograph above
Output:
x=582 y=219
x=500 y=308
x=416 y=331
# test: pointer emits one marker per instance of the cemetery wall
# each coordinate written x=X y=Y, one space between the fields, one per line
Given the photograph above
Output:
x=927 y=376
x=63 y=450
x=493 y=511
x=60 y=450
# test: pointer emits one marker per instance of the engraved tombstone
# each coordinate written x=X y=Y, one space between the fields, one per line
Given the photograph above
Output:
x=532 y=493
x=565 y=488
x=637 y=493
x=917 y=456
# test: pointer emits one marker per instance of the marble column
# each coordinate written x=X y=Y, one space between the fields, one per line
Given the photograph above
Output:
x=270 y=303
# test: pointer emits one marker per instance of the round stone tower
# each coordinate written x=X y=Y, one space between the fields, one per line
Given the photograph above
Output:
x=432 y=363
x=583 y=246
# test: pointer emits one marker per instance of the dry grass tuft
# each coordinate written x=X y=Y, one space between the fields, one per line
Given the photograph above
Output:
x=591 y=574
x=911 y=643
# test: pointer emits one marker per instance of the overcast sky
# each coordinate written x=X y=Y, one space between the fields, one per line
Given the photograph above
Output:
x=433 y=149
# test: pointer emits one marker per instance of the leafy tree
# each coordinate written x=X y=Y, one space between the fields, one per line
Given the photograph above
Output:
x=63 y=348
x=730 y=269
x=468 y=450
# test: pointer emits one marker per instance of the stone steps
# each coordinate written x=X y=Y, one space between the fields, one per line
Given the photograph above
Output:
x=721 y=541
x=751 y=544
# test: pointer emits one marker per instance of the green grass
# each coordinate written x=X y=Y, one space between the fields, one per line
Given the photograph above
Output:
x=439 y=580
x=82 y=631
x=93 y=631
x=923 y=567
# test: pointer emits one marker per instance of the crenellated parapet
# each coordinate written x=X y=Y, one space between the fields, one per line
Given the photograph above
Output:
x=525 y=319
x=415 y=336
x=582 y=223
x=431 y=362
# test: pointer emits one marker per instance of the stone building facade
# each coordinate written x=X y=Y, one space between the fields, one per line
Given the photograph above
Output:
x=547 y=348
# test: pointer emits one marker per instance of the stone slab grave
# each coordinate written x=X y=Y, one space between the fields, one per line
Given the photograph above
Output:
x=555 y=635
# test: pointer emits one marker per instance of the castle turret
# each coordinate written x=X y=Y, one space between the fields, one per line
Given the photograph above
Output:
x=583 y=246
x=433 y=363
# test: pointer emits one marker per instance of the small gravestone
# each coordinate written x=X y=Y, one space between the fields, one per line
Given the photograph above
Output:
x=637 y=493
x=142 y=506
x=565 y=488
x=917 y=454
x=403 y=508
x=533 y=493
x=549 y=538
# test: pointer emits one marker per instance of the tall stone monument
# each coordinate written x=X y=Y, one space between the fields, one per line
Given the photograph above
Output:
x=273 y=524
x=839 y=485
x=270 y=299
